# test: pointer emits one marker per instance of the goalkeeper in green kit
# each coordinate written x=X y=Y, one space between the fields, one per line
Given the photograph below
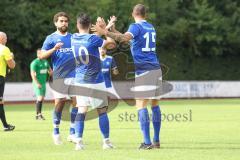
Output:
x=40 y=71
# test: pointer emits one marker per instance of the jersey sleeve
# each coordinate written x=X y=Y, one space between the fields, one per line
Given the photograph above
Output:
x=97 y=41
x=133 y=30
x=33 y=66
x=47 y=44
x=113 y=66
x=7 y=54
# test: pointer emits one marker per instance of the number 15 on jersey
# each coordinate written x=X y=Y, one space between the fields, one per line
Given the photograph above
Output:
x=150 y=38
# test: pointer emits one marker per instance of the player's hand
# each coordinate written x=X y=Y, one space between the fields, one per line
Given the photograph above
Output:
x=58 y=46
x=97 y=28
x=101 y=22
x=39 y=85
x=111 y=22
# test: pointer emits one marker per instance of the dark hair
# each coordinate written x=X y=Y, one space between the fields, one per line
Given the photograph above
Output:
x=84 y=20
x=60 y=14
x=140 y=10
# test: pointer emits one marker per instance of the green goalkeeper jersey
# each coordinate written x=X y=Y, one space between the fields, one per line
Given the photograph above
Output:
x=41 y=67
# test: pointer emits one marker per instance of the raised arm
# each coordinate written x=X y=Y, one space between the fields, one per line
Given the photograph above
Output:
x=114 y=34
x=45 y=54
x=126 y=37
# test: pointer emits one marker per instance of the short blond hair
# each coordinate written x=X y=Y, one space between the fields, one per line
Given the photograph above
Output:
x=140 y=10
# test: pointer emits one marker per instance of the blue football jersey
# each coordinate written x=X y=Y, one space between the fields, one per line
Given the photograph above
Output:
x=108 y=63
x=62 y=59
x=87 y=57
x=143 y=46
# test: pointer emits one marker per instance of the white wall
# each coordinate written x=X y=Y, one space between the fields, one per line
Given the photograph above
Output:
x=181 y=89
x=22 y=92
x=202 y=89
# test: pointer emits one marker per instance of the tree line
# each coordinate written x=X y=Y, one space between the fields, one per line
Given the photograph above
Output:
x=196 y=39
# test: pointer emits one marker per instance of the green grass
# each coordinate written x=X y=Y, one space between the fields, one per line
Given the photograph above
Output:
x=212 y=133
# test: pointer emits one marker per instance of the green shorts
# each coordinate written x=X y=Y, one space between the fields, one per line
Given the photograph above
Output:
x=39 y=91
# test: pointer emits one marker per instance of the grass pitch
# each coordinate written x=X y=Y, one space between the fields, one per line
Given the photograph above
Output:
x=192 y=129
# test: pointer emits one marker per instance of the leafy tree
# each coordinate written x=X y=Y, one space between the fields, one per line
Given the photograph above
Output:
x=188 y=31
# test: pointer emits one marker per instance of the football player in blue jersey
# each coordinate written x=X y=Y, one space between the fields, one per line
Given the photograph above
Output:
x=88 y=74
x=108 y=66
x=58 y=46
x=142 y=38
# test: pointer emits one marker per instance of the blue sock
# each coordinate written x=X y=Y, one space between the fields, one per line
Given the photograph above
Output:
x=104 y=125
x=73 y=116
x=56 y=121
x=145 y=124
x=156 y=120
x=79 y=125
